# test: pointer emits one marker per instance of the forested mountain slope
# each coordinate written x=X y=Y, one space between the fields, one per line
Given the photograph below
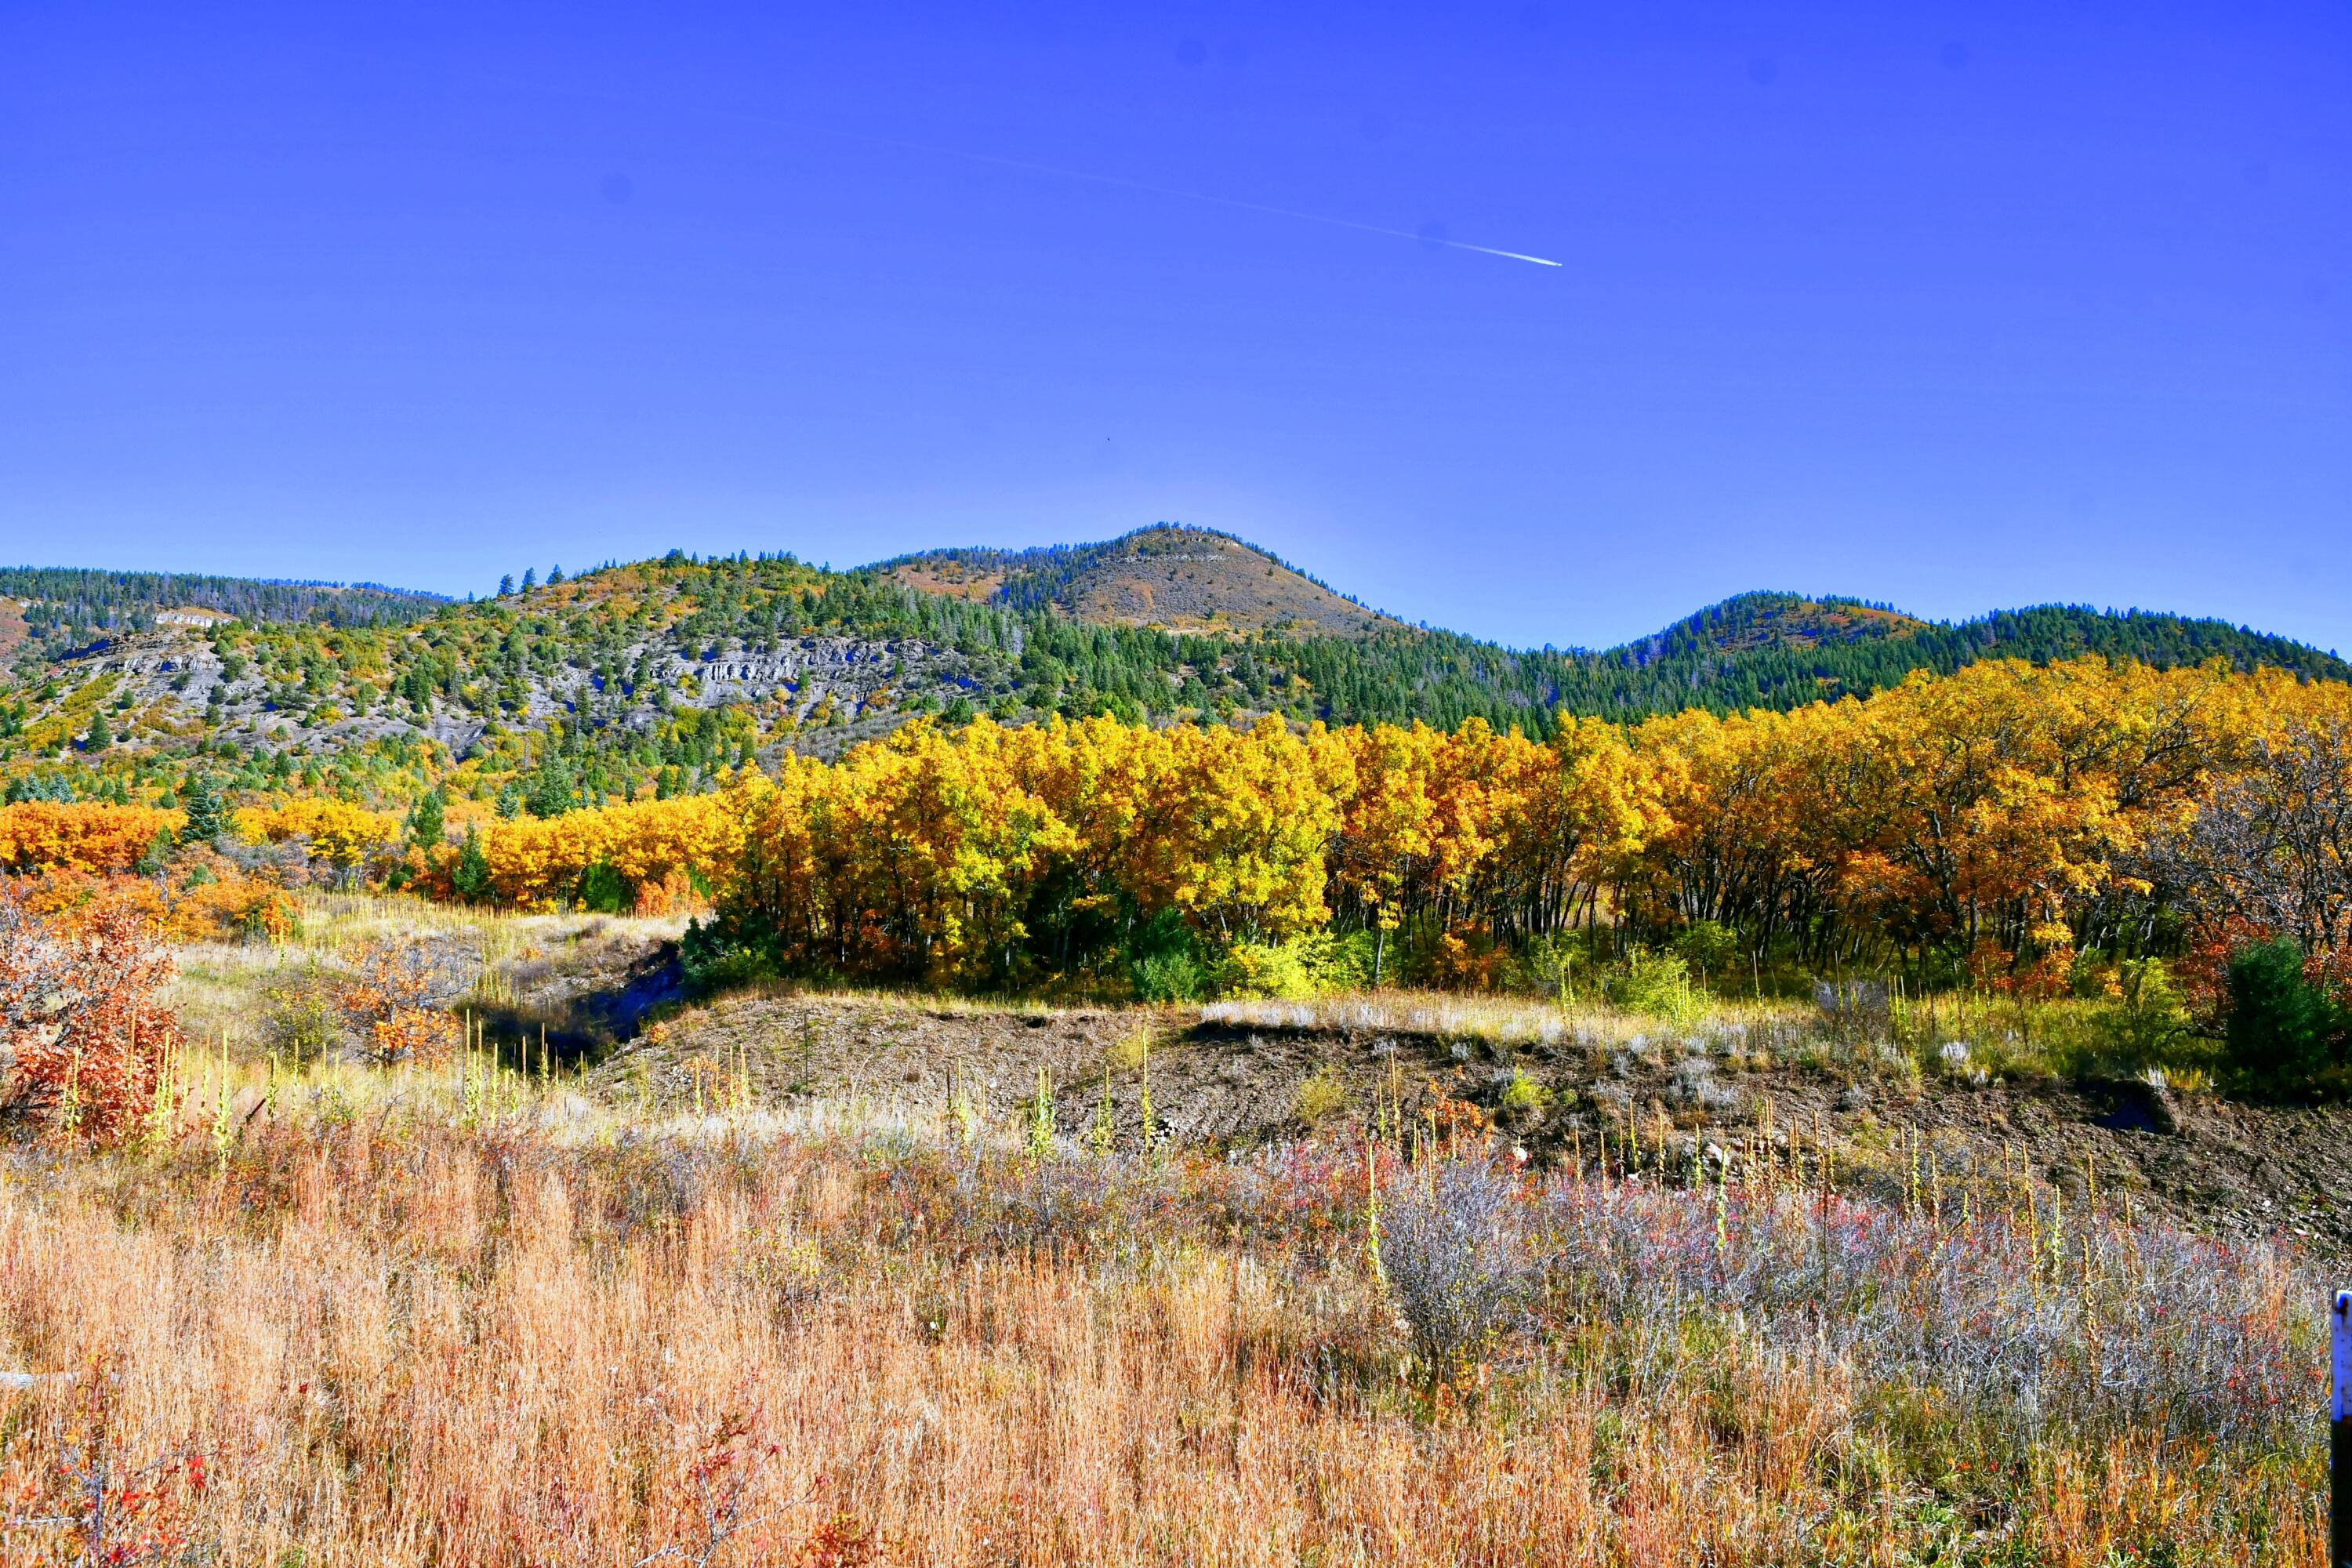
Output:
x=653 y=676
x=61 y=607
x=1774 y=650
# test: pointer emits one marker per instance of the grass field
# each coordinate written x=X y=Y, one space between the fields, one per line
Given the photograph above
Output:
x=339 y=1313
x=409 y=1319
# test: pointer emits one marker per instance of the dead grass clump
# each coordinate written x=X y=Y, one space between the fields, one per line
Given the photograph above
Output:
x=1322 y=1098
x=1133 y=1049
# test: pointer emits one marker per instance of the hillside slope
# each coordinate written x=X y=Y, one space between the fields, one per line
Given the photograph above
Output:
x=69 y=601
x=653 y=676
x=1170 y=577
x=650 y=676
x=1771 y=650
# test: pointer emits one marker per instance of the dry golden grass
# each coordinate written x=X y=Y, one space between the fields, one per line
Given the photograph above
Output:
x=406 y=1320
x=462 y=1316
x=223 y=988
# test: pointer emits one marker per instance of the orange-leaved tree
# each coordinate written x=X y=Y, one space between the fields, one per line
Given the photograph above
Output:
x=392 y=998
x=89 y=837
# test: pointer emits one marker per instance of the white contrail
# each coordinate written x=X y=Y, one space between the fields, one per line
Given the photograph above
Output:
x=1172 y=191
x=780 y=123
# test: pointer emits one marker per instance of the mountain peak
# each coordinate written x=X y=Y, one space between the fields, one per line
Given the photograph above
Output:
x=1168 y=575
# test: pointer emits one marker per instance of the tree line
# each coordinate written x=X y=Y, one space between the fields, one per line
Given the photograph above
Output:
x=1995 y=826
x=1991 y=826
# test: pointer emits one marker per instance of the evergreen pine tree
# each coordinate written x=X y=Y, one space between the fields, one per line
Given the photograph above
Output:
x=553 y=789
x=207 y=818
x=428 y=820
x=471 y=876
x=505 y=584
x=100 y=737
x=158 y=856
x=529 y=578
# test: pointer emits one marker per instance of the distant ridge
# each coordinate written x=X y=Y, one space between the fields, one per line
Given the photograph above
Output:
x=663 y=672
x=1855 y=641
x=83 y=602
x=1764 y=649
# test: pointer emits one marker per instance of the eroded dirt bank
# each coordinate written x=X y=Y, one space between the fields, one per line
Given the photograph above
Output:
x=2223 y=1166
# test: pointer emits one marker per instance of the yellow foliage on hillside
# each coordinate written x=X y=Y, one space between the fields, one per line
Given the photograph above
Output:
x=337 y=832
x=644 y=843
x=1996 y=813
x=1999 y=816
x=69 y=717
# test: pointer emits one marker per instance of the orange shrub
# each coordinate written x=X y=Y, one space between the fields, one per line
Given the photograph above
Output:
x=221 y=903
x=672 y=894
x=227 y=907
x=80 y=836
x=82 y=1014
x=70 y=899
x=59 y=891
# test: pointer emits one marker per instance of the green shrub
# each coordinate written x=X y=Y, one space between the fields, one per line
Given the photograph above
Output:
x=1553 y=963
x=1523 y=1095
x=606 y=890
x=724 y=954
x=2283 y=1029
x=552 y=790
x=470 y=876
x=1708 y=947
x=1164 y=962
x=2144 y=1025
x=207 y=815
x=1173 y=976
x=1657 y=983
x=428 y=819
x=157 y=855
x=1339 y=962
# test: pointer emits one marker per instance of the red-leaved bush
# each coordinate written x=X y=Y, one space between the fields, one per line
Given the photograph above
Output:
x=82 y=1023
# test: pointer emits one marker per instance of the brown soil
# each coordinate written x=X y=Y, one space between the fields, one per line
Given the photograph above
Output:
x=1179 y=579
x=951 y=578
x=2220 y=1166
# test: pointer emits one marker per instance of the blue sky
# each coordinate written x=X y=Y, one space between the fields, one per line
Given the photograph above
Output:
x=1955 y=306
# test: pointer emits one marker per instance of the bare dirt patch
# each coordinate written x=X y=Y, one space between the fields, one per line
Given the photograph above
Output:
x=2216 y=1164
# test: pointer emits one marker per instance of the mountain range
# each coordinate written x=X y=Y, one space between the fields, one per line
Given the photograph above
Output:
x=651 y=674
